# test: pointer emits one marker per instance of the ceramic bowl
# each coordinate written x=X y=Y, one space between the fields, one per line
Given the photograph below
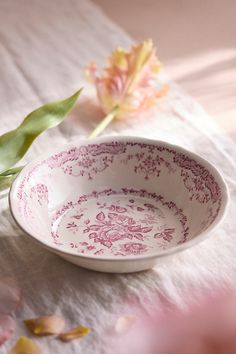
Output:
x=118 y=204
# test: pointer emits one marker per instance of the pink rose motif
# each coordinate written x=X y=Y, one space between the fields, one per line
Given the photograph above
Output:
x=108 y=234
x=115 y=227
x=133 y=248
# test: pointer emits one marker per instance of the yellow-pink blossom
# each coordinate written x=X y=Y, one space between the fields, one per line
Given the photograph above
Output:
x=129 y=82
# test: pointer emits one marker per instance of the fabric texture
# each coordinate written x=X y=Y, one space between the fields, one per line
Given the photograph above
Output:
x=44 y=46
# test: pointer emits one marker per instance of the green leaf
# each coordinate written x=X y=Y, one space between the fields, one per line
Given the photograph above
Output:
x=7 y=177
x=14 y=144
x=6 y=181
x=12 y=171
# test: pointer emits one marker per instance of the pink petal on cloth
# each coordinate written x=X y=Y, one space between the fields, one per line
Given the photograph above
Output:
x=7 y=325
x=9 y=295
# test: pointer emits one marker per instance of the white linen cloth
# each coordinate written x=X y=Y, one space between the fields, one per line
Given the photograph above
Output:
x=44 y=46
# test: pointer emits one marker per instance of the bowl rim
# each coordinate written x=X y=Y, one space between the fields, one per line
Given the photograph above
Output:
x=124 y=138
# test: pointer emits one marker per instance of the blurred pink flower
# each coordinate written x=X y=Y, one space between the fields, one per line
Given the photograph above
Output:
x=208 y=327
x=128 y=84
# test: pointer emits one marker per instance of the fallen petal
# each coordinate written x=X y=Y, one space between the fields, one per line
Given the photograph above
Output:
x=9 y=295
x=77 y=332
x=124 y=323
x=25 y=346
x=45 y=325
x=7 y=325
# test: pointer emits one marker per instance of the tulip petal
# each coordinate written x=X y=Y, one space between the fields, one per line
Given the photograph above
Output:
x=124 y=324
x=142 y=52
x=118 y=58
x=9 y=295
x=25 y=346
x=90 y=72
x=46 y=325
x=75 y=333
x=7 y=325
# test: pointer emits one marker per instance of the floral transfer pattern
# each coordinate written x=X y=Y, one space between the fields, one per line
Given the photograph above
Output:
x=83 y=161
x=132 y=248
x=119 y=223
x=115 y=227
x=166 y=234
x=130 y=221
x=41 y=193
x=148 y=164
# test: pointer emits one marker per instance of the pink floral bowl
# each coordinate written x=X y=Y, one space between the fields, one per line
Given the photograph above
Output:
x=118 y=204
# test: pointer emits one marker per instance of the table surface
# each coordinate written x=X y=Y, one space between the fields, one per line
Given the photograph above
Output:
x=195 y=41
x=44 y=46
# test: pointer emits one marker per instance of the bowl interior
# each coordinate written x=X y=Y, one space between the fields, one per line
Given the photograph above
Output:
x=117 y=198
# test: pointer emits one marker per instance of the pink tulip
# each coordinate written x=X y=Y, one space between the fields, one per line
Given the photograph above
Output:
x=128 y=85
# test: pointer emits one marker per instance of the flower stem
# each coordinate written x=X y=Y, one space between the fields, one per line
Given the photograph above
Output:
x=104 y=123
